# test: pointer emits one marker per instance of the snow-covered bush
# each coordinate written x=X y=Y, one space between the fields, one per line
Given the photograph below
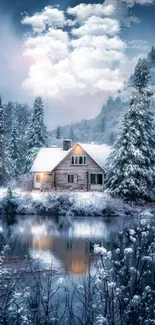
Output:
x=25 y=182
x=125 y=278
x=61 y=203
x=9 y=202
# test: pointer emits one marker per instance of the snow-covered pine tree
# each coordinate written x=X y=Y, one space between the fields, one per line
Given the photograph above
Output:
x=9 y=112
x=102 y=125
x=71 y=134
x=22 y=116
x=2 y=146
x=13 y=154
x=130 y=166
x=58 y=133
x=36 y=133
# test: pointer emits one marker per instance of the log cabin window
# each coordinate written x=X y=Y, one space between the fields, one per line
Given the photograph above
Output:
x=38 y=178
x=96 y=179
x=70 y=178
x=78 y=160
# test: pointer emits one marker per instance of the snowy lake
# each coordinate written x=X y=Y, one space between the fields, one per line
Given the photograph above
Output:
x=65 y=243
x=69 y=269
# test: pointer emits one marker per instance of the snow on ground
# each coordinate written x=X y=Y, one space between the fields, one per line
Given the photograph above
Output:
x=62 y=203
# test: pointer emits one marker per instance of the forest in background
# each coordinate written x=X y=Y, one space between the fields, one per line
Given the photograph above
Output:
x=105 y=127
x=22 y=133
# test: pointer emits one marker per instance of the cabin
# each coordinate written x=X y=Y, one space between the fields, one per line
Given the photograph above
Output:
x=78 y=167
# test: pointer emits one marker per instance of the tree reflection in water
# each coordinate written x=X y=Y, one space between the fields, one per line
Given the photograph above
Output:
x=103 y=274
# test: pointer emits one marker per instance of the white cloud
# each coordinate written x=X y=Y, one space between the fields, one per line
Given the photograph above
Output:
x=139 y=45
x=95 y=25
x=84 y=11
x=86 y=57
x=131 y=3
x=53 y=17
x=101 y=41
x=53 y=44
x=130 y=20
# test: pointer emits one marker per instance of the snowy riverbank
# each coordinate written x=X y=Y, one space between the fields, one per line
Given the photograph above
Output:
x=62 y=203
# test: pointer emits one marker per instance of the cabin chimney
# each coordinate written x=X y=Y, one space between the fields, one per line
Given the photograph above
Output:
x=67 y=144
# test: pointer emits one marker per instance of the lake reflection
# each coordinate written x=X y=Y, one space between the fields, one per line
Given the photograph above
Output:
x=67 y=244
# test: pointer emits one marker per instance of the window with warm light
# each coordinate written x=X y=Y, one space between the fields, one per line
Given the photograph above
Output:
x=38 y=178
x=78 y=160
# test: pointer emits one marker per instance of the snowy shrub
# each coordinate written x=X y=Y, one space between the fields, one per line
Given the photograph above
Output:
x=25 y=205
x=128 y=250
x=65 y=203
x=25 y=182
x=9 y=202
x=61 y=203
x=124 y=283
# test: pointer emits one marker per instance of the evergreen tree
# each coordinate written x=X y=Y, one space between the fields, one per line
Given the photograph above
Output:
x=130 y=167
x=23 y=118
x=151 y=57
x=37 y=133
x=13 y=154
x=102 y=127
x=8 y=118
x=2 y=146
x=71 y=134
x=141 y=75
x=58 y=133
x=112 y=138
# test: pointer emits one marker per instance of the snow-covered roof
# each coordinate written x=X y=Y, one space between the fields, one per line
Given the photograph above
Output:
x=48 y=158
x=97 y=152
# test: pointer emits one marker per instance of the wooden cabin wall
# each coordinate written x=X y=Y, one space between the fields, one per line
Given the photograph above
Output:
x=65 y=168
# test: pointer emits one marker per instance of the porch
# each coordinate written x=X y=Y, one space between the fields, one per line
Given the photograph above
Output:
x=72 y=182
x=44 y=181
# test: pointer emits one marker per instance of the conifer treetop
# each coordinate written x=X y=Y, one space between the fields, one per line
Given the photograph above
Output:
x=131 y=165
x=141 y=75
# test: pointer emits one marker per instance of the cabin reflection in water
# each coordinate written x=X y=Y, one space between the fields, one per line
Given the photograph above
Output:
x=72 y=253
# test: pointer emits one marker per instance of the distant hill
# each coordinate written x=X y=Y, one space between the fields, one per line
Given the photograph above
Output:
x=105 y=127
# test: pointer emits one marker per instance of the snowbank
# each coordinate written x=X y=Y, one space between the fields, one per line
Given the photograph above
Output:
x=60 y=203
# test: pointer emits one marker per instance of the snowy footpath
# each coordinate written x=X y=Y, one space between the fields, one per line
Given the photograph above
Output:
x=64 y=203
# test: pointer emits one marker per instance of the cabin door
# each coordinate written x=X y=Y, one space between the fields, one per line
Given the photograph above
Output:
x=37 y=181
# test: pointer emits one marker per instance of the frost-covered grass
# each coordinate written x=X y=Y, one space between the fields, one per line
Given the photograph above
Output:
x=60 y=203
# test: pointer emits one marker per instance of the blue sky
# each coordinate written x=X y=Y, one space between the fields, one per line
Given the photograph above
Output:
x=74 y=58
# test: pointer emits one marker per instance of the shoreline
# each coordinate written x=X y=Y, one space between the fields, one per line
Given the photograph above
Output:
x=66 y=203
